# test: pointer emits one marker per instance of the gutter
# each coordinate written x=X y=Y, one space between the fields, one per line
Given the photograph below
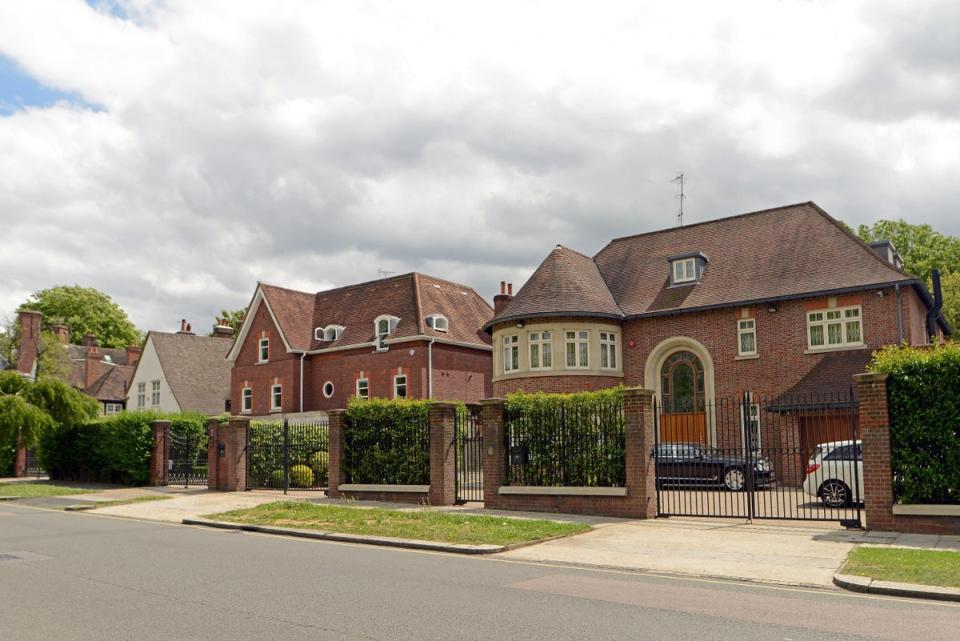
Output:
x=935 y=311
x=303 y=355
x=896 y=289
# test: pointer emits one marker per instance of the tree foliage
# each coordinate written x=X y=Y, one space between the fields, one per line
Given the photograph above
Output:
x=86 y=311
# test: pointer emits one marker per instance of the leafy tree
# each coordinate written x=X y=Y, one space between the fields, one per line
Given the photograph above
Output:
x=53 y=359
x=233 y=319
x=86 y=311
x=923 y=249
x=29 y=409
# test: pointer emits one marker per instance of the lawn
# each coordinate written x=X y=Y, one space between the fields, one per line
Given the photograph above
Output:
x=35 y=489
x=425 y=525
x=926 y=567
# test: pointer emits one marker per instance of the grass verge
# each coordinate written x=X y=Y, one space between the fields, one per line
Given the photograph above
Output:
x=424 y=525
x=924 y=567
x=35 y=489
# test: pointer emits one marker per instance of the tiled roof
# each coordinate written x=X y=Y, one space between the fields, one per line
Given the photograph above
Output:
x=775 y=253
x=566 y=282
x=195 y=369
x=112 y=384
x=111 y=377
x=827 y=383
x=409 y=297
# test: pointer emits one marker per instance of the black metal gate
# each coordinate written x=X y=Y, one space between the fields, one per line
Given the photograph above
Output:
x=33 y=466
x=749 y=457
x=468 y=447
x=188 y=458
x=288 y=456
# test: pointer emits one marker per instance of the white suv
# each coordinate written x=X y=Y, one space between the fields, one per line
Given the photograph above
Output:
x=835 y=473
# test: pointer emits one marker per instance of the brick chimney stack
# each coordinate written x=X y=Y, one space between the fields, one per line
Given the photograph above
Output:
x=29 y=341
x=89 y=340
x=91 y=369
x=505 y=296
x=133 y=354
x=185 y=327
x=62 y=332
x=222 y=329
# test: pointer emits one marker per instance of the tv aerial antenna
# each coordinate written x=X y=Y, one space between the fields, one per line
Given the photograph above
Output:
x=680 y=181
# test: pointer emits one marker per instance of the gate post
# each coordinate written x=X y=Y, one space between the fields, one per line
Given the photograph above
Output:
x=493 y=411
x=213 y=462
x=640 y=440
x=875 y=441
x=160 y=455
x=231 y=475
x=335 y=476
x=443 y=452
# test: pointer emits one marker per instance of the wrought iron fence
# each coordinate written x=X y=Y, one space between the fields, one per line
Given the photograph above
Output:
x=33 y=465
x=392 y=450
x=288 y=455
x=188 y=458
x=566 y=443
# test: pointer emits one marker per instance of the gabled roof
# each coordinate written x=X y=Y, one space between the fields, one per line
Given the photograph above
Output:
x=566 y=283
x=780 y=253
x=112 y=384
x=195 y=369
x=409 y=297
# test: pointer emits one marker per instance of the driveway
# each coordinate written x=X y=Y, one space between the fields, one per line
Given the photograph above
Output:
x=777 y=553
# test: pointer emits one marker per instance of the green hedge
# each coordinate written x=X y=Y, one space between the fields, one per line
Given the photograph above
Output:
x=112 y=449
x=573 y=440
x=387 y=441
x=924 y=403
x=8 y=455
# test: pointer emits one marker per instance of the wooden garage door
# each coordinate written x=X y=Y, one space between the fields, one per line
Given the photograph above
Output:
x=824 y=427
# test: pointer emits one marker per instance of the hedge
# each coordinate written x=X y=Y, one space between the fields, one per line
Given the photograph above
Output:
x=387 y=441
x=112 y=449
x=923 y=388
x=8 y=455
x=570 y=439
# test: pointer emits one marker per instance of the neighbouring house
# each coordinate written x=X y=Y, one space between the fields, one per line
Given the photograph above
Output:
x=411 y=336
x=784 y=304
x=183 y=372
x=101 y=372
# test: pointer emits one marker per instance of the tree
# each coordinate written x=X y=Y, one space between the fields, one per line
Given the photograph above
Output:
x=233 y=319
x=53 y=361
x=28 y=409
x=923 y=249
x=86 y=311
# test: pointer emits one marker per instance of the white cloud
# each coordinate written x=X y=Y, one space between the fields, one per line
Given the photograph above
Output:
x=311 y=143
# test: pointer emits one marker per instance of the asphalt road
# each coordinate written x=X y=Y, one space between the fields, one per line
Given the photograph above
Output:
x=94 y=578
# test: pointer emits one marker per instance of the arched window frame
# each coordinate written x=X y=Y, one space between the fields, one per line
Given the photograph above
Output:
x=438 y=322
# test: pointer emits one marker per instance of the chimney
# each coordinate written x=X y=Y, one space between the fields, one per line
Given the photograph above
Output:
x=29 y=342
x=222 y=330
x=133 y=354
x=89 y=340
x=185 y=327
x=505 y=296
x=62 y=332
x=91 y=369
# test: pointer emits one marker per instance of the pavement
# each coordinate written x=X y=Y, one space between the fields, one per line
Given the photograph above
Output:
x=76 y=577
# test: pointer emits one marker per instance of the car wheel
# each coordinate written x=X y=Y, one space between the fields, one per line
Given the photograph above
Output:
x=835 y=494
x=733 y=479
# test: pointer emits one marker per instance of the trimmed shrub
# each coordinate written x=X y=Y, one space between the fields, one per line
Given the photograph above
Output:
x=570 y=439
x=301 y=476
x=387 y=441
x=923 y=391
x=319 y=462
x=8 y=455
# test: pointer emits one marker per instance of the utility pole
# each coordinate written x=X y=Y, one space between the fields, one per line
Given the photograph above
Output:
x=681 y=181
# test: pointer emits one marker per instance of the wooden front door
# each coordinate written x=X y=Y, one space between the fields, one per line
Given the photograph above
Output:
x=683 y=415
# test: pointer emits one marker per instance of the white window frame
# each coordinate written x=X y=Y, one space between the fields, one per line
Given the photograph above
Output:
x=155 y=393
x=438 y=322
x=333 y=389
x=396 y=386
x=246 y=400
x=511 y=348
x=276 y=390
x=391 y=324
x=141 y=395
x=263 y=344
x=328 y=333
x=109 y=409
x=746 y=326
x=581 y=347
x=366 y=385
x=822 y=318
x=543 y=342
x=608 y=349
x=684 y=270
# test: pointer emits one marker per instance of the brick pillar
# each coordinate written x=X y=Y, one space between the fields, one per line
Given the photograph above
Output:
x=335 y=475
x=20 y=462
x=493 y=412
x=638 y=428
x=160 y=455
x=231 y=475
x=875 y=437
x=213 y=460
x=443 y=465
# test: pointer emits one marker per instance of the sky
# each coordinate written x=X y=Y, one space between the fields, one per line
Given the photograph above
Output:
x=173 y=152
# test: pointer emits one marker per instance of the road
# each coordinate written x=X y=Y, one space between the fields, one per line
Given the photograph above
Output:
x=86 y=577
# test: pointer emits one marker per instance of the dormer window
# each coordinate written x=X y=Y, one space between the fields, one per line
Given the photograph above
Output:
x=686 y=269
x=384 y=325
x=438 y=322
x=328 y=333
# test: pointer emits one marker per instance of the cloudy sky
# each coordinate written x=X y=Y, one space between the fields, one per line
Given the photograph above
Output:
x=174 y=152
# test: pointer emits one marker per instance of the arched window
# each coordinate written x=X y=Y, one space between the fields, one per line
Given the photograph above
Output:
x=682 y=383
x=384 y=325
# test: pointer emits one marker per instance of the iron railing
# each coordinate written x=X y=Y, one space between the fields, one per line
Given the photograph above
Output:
x=284 y=455
x=188 y=458
x=468 y=448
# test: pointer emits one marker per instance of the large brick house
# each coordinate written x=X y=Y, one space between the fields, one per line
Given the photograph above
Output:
x=781 y=303
x=405 y=336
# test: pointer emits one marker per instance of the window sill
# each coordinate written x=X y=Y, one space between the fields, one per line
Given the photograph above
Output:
x=839 y=348
x=261 y=362
x=246 y=412
x=746 y=357
x=275 y=410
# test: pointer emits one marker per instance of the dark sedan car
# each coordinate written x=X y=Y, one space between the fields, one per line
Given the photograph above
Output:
x=682 y=464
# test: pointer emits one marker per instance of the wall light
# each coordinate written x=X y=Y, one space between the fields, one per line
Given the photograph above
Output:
x=772 y=309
